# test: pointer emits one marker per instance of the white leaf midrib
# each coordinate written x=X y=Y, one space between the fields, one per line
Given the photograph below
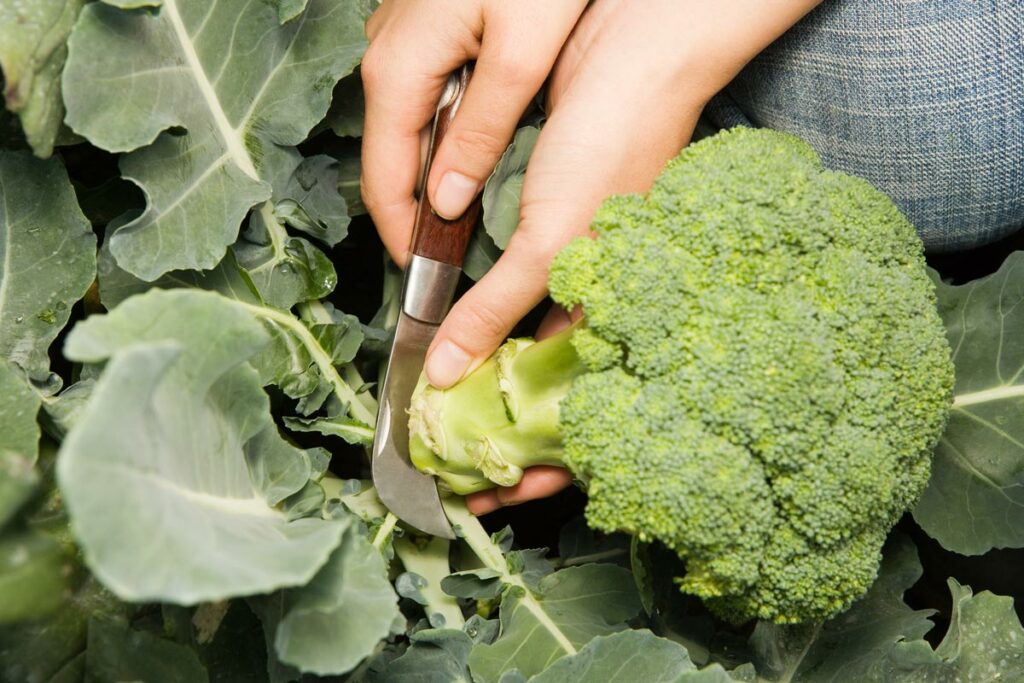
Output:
x=246 y=507
x=232 y=141
x=999 y=393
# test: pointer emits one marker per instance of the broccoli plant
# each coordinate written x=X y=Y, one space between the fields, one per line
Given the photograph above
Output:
x=758 y=382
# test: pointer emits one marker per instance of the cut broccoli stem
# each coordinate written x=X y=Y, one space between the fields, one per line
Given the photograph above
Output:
x=484 y=431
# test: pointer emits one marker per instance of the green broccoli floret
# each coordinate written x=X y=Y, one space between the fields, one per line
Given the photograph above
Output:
x=758 y=384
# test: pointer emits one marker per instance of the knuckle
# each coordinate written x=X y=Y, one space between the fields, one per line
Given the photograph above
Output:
x=540 y=235
x=477 y=143
x=481 y=323
x=366 y=191
x=515 y=72
x=372 y=67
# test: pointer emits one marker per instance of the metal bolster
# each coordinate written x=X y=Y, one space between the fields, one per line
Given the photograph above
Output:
x=429 y=289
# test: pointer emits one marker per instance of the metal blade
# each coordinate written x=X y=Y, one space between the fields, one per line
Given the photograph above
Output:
x=406 y=491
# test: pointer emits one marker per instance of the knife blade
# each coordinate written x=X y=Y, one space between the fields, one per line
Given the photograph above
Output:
x=432 y=274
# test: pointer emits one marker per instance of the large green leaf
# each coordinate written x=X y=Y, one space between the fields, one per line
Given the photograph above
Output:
x=622 y=657
x=331 y=624
x=569 y=608
x=52 y=649
x=433 y=656
x=975 y=499
x=238 y=82
x=19 y=435
x=285 y=269
x=153 y=471
x=301 y=355
x=33 y=576
x=857 y=645
x=47 y=258
x=346 y=115
x=116 y=652
x=985 y=642
x=542 y=619
x=33 y=48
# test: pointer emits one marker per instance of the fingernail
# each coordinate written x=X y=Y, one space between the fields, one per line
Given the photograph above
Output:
x=447 y=364
x=454 y=194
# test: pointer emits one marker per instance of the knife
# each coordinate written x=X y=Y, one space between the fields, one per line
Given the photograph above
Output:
x=431 y=275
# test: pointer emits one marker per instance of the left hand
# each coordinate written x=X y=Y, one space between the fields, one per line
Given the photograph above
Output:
x=623 y=99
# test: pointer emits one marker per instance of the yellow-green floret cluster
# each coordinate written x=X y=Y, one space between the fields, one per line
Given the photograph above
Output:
x=758 y=384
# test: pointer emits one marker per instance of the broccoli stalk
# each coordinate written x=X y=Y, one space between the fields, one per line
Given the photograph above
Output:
x=501 y=419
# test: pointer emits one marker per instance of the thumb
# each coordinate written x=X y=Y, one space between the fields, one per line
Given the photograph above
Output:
x=482 y=319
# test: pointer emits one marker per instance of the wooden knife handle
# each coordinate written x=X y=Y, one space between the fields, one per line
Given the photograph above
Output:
x=435 y=237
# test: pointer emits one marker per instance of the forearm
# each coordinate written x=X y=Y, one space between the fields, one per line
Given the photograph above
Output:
x=721 y=38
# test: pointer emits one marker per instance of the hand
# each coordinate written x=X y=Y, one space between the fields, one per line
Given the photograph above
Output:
x=414 y=46
x=623 y=99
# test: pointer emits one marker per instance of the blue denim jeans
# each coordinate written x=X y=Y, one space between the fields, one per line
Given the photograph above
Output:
x=924 y=98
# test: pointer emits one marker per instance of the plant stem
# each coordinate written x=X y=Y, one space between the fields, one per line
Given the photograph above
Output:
x=342 y=390
x=384 y=532
x=479 y=541
x=314 y=311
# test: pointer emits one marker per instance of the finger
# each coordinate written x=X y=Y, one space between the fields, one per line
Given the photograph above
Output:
x=520 y=44
x=537 y=482
x=483 y=502
x=483 y=317
x=556 y=320
x=404 y=72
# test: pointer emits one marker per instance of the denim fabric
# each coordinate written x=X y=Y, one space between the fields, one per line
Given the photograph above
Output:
x=923 y=98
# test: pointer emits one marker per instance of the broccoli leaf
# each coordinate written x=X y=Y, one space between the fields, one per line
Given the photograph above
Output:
x=163 y=438
x=47 y=258
x=289 y=9
x=311 y=203
x=234 y=79
x=19 y=437
x=301 y=353
x=277 y=469
x=434 y=656
x=500 y=202
x=500 y=198
x=285 y=269
x=346 y=115
x=975 y=498
x=32 y=576
x=569 y=608
x=985 y=641
x=116 y=652
x=33 y=48
x=329 y=625
x=856 y=645
x=622 y=658
x=481 y=254
x=53 y=648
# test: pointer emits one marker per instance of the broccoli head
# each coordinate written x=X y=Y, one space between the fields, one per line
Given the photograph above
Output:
x=758 y=382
